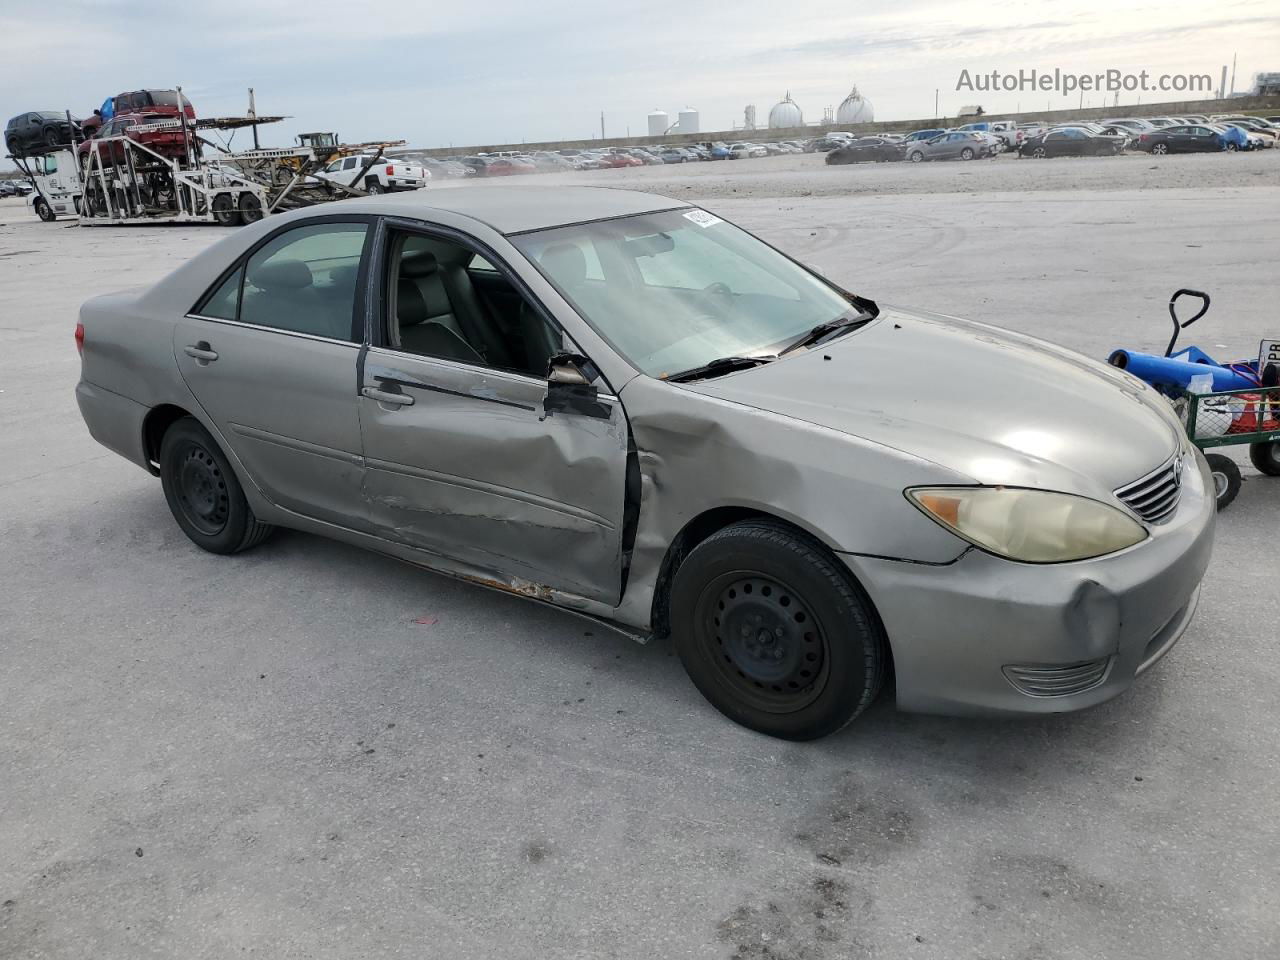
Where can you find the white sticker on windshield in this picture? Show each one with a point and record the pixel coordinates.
(702, 218)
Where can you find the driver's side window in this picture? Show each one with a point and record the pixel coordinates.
(439, 304)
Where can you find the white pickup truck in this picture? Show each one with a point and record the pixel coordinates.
(380, 175)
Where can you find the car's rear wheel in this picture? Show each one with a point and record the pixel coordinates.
(1159, 149)
(774, 633)
(1232, 147)
(1266, 457)
(203, 493)
(52, 137)
(1226, 478)
(44, 211)
(224, 210)
(250, 208)
(966, 153)
(373, 188)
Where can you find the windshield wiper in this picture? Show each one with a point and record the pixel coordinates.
(827, 330)
(716, 367)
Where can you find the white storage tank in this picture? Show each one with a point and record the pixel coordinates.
(658, 123)
(785, 113)
(855, 109)
(688, 120)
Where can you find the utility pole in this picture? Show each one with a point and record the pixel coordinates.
(1233, 74)
(601, 124)
(935, 103)
(253, 112)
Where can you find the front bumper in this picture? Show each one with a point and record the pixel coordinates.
(956, 629)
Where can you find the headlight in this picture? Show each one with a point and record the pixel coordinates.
(1034, 526)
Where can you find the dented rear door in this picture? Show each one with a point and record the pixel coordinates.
(461, 461)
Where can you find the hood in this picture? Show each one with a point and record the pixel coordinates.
(992, 405)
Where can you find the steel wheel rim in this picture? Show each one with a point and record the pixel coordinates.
(1220, 484)
(768, 648)
(202, 490)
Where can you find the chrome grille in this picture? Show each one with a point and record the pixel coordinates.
(1155, 496)
(1061, 680)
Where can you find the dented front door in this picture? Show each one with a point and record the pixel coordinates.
(462, 461)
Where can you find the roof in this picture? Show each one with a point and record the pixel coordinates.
(517, 209)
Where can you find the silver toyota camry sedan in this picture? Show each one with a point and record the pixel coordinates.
(627, 407)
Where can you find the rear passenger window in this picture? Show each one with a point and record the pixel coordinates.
(224, 303)
(303, 281)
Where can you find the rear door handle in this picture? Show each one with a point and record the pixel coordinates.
(200, 351)
(384, 396)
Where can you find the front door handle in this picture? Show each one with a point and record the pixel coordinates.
(384, 396)
(200, 351)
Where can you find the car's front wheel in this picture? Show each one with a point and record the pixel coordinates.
(203, 493)
(1159, 149)
(774, 633)
(916, 156)
(44, 211)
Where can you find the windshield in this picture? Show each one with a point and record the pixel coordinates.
(674, 290)
(164, 98)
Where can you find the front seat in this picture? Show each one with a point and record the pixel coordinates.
(425, 316)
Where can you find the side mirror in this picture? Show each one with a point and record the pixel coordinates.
(564, 370)
(570, 388)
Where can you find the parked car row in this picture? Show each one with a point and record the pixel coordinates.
(14, 188)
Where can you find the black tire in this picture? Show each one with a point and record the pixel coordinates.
(250, 208)
(52, 137)
(1266, 457)
(44, 211)
(11, 144)
(374, 188)
(966, 153)
(1226, 478)
(1159, 149)
(224, 210)
(774, 633)
(916, 156)
(1039, 153)
(203, 493)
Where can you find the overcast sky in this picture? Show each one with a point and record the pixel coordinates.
(457, 72)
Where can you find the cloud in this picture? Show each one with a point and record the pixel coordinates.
(509, 70)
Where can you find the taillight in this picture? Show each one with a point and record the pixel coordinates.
(1142, 136)
(390, 170)
(80, 338)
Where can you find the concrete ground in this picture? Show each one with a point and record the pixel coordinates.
(312, 751)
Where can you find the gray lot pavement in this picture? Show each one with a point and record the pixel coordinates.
(270, 755)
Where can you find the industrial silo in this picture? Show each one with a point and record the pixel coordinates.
(688, 122)
(658, 123)
(785, 113)
(855, 109)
